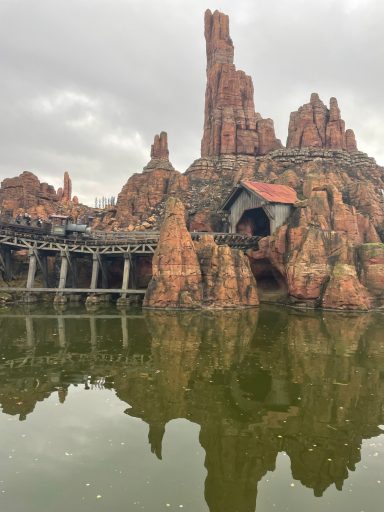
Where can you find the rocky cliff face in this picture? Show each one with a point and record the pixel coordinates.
(323, 254)
(176, 274)
(231, 125)
(140, 204)
(316, 126)
(25, 193)
(189, 276)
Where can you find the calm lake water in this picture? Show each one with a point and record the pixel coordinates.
(267, 410)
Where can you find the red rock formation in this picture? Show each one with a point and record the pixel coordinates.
(317, 252)
(67, 189)
(231, 124)
(371, 258)
(140, 203)
(176, 275)
(25, 191)
(227, 277)
(159, 154)
(316, 126)
(185, 276)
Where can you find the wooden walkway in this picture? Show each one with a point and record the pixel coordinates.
(119, 243)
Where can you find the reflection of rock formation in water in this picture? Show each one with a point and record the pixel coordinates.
(257, 383)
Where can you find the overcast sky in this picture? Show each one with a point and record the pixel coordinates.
(86, 84)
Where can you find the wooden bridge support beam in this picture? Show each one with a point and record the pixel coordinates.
(31, 269)
(63, 271)
(126, 272)
(95, 271)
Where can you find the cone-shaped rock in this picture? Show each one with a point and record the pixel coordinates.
(176, 276)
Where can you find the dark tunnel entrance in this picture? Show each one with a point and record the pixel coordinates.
(254, 222)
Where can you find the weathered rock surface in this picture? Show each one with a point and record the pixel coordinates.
(231, 125)
(25, 193)
(316, 126)
(185, 276)
(160, 154)
(226, 274)
(318, 253)
(176, 274)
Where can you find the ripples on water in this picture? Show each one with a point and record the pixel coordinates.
(266, 409)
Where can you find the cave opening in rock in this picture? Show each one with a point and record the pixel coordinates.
(270, 282)
(254, 222)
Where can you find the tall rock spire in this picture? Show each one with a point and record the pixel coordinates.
(231, 125)
(159, 154)
(314, 125)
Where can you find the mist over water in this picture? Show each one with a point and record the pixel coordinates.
(261, 409)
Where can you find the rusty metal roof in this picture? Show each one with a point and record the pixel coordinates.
(272, 193)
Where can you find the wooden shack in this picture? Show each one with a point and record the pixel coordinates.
(258, 209)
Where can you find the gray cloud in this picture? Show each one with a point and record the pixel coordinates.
(85, 84)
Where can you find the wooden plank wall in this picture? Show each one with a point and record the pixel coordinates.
(277, 213)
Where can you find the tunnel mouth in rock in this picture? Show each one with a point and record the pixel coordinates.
(271, 284)
(254, 222)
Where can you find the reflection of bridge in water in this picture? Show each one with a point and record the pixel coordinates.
(257, 383)
(102, 257)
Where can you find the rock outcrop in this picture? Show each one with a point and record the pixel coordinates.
(25, 193)
(160, 154)
(176, 274)
(231, 125)
(316, 126)
(226, 276)
(141, 202)
(64, 194)
(318, 253)
(189, 276)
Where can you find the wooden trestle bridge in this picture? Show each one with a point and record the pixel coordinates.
(97, 249)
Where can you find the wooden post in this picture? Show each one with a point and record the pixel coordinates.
(95, 271)
(63, 271)
(126, 272)
(31, 269)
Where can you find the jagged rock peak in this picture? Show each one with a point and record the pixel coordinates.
(159, 154)
(314, 125)
(231, 124)
(220, 48)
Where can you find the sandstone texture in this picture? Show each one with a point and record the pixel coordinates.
(231, 125)
(189, 276)
(314, 125)
(176, 274)
(226, 276)
(321, 255)
(25, 193)
(159, 154)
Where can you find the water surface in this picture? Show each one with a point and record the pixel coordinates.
(267, 410)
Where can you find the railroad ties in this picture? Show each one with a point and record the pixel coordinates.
(58, 260)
